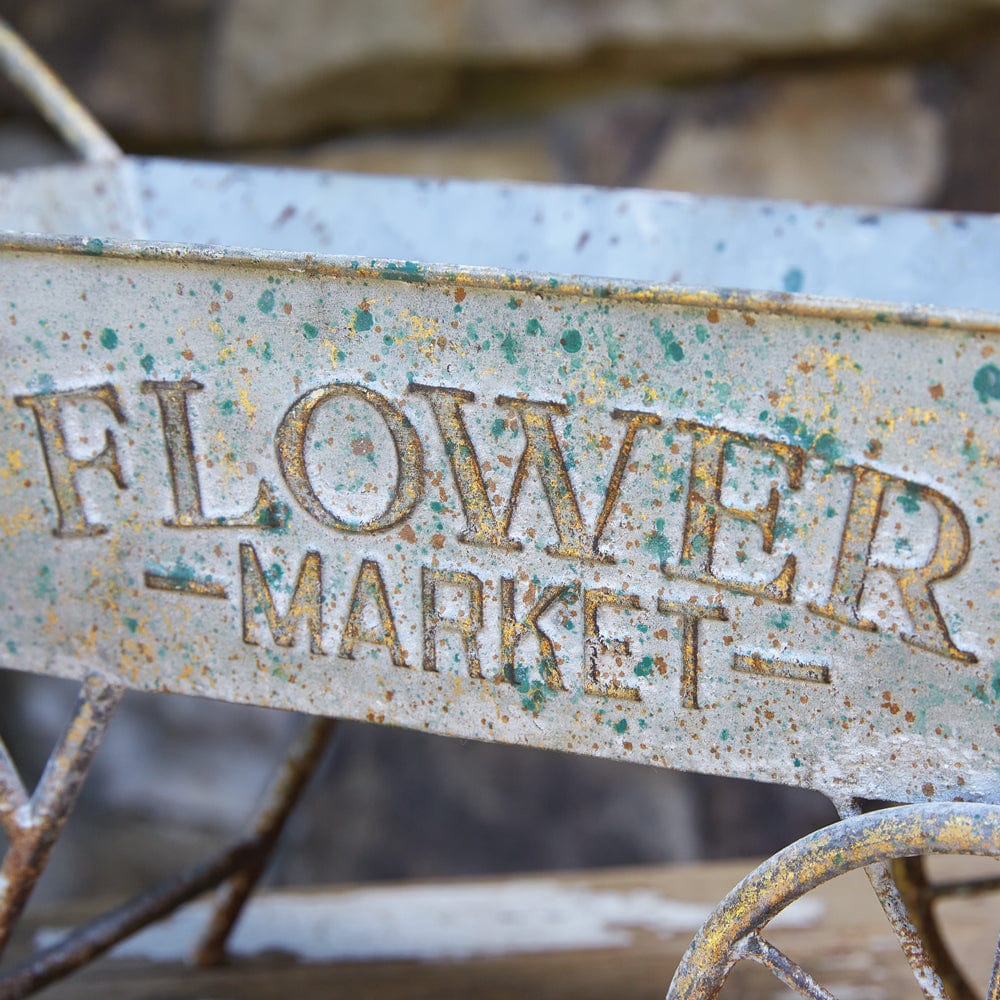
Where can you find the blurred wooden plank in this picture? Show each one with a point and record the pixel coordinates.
(845, 943)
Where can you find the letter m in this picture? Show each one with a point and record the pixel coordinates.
(305, 603)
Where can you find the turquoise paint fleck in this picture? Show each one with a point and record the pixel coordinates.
(987, 383)
(701, 333)
(658, 543)
(571, 341)
(309, 331)
(534, 693)
(909, 499)
(780, 621)
(266, 301)
(93, 248)
(510, 347)
(644, 668)
(620, 726)
(824, 444)
(672, 349)
(533, 328)
(109, 339)
(793, 280)
(147, 361)
(362, 320)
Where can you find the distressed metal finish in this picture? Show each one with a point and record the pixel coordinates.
(33, 825)
(733, 534)
(655, 237)
(723, 534)
(731, 933)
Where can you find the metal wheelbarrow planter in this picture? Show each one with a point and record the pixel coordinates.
(740, 533)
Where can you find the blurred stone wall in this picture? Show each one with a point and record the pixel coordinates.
(882, 102)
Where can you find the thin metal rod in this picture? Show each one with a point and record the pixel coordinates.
(41, 821)
(993, 990)
(13, 796)
(86, 943)
(53, 99)
(909, 937)
(918, 895)
(899, 885)
(966, 888)
(790, 973)
(280, 800)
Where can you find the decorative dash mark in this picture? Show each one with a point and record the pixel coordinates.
(184, 585)
(792, 670)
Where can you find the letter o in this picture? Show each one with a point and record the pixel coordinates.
(290, 443)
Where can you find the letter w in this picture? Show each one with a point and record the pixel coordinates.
(543, 455)
(305, 602)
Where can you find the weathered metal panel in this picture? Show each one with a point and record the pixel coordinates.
(907, 257)
(733, 536)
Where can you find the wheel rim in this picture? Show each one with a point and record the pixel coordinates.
(730, 933)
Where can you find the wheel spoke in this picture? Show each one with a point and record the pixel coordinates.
(900, 887)
(790, 973)
(910, 939)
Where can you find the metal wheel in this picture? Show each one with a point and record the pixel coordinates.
(873, 840)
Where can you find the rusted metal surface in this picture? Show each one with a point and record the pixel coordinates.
(33, 825)
(725, 534)
(280, 801)
(731, 933)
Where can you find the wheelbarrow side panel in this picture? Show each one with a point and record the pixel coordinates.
(753, 537)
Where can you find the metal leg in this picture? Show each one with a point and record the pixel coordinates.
(34, 825)
(755, 948)
(241, 865)
(92, 940)
(279, 802)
